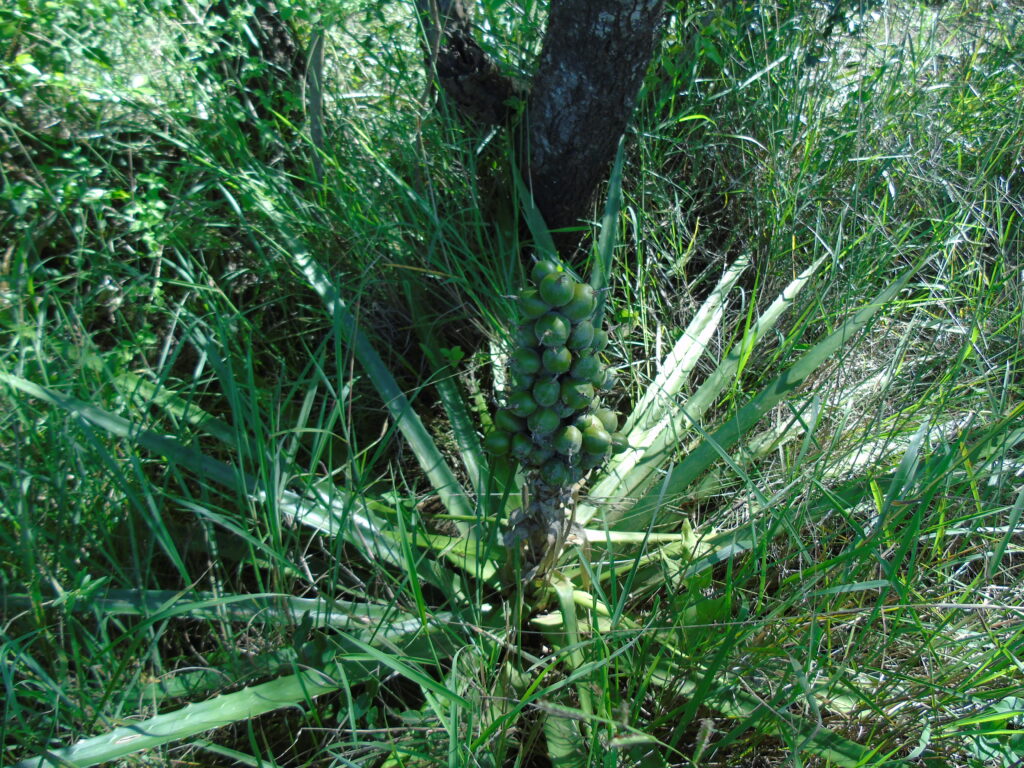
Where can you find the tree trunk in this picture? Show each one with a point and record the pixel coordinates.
(592, 65)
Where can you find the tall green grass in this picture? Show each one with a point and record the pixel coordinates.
(231, 392)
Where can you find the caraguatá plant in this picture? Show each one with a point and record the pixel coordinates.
(552, 421)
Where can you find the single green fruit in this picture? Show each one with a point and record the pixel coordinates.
(539, 455)
(531, 304)
(577, 394)
(546, 392)
(543, 422)
(582, 336)
(555, 473)
(582, 304)
(522, 404)
(556, 359)
(525, 360)
(587, 367)
(542, 269)
(585, 421)
(525, 336)
(507, 421)
(556, 289)
(596, 439)
(608, 380)
(552, 330)
(600, 340)
(619, 444)
(497, 443)
(522, 382)
(609, 419)
(521, 445)
(567, 440)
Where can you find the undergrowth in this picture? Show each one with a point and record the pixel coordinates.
(213, 481)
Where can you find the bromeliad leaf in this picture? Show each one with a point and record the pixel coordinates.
(680, 479)
(657, 428)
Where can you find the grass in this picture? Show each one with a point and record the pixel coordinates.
(232, 395)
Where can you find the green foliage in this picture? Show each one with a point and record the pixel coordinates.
(233, 392)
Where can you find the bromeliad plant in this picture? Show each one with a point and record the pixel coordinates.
(456, 633)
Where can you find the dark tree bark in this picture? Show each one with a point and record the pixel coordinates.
(592, 64)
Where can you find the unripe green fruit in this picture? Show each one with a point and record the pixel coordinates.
(542, 269)
(531, 304)
(556, 359)
(525, 360)
(552, 330)
(591, 460)
(600, 340)
(539, 455)
(596, 439)
(585, 421)
(607, 382)
(577, 394)
(619, 444)
(555, 473)
(497, 443)
(567, 440)
(523, 382)
(587, 367)
(556, 289)
(582, 304)
(525, 335)
(507, 421)
(521, 445)
(609, 419)
(582, 336)
(522, 404)
(543, 422)
(546, 392)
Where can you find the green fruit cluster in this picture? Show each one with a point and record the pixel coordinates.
(553, 422)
